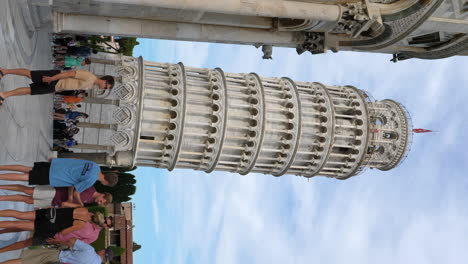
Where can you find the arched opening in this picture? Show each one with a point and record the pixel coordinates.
(390, 135)
(379, 120)
(379, 149)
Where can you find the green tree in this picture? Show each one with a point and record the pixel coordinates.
(123, 190)
(136, 246)
(98, 208)
(100, 243)
(118, 251)
(119, 169)
(126, 45)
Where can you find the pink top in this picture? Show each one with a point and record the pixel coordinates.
(88, 234)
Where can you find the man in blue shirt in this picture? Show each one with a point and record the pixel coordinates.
(79, 253)
(73, 173)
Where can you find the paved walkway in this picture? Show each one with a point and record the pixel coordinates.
(25, 122)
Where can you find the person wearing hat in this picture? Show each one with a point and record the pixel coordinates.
(57, 223)
(78, 253)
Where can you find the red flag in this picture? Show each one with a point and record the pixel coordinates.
(421, 130)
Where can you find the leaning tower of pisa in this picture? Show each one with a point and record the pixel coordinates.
(207, 119)
(173, 116)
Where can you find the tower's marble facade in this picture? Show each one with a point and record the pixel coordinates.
(427, 29)
(173, 116)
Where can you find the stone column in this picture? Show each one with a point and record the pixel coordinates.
(93, 147)
(99, 158)
(118, 26)
(94, 100)
(263, 8)
(97, 125)
(103, 61)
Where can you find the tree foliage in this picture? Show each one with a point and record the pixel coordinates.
(97, 208)
(100, 243)
(126, 45)
(125, 188)
(118, 251)
(136, 246)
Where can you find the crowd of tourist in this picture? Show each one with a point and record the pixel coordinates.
(63, 187)
(71, 51)
(59, 189)
(67, 115)
(70, 87)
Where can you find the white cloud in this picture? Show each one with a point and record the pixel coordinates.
(193, 54)
(155, 208)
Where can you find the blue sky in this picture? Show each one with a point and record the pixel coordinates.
(415, 213)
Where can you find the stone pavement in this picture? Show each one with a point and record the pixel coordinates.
(25, 122)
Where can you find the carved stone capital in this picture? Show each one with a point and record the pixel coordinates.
(314, 42)
(355, 20)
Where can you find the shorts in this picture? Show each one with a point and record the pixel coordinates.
(49, 222)
(39, 87)
(41, 255)
(43, 196)
(39, 175)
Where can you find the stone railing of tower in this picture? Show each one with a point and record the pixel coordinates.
(205, 119)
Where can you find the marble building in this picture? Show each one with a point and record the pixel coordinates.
(174, 116)
(426, 29)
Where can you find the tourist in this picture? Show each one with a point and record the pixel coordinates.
(108, 221)
(88, 232)
(74, 99)
(65, 124)
(44, 196)
(73, 173)
(44, 82)
(70, 115)
(79, 253)
(64, 143)
(66, 134)
(60, 105)
(62, 40)
(81, 51)
(64, 131)
(45, 223)
(69, 99)
(81, 93)
(72, 62)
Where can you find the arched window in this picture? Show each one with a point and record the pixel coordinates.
(390, 135)
(379, 149)
(380, 120)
